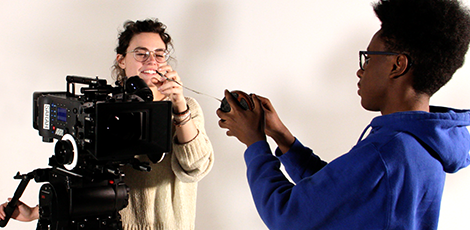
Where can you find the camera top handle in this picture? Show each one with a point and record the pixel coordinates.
(98, 89)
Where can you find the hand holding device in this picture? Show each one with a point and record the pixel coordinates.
(243, 99)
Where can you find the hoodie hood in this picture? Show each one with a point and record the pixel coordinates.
(444, 131)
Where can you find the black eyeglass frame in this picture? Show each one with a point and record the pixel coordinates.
(364, 53)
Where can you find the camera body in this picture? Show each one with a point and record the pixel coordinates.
(97, 132)
(107, 124)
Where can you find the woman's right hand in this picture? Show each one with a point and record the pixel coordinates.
(22, 212)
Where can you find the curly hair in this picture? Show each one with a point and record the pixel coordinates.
(435, 34)
(132, 28)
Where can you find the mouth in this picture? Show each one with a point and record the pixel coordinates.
(150, 71)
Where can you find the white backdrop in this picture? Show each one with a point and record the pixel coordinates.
(302, 54)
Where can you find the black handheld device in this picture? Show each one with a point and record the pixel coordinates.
(243, 99)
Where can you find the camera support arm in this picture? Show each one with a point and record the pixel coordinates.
(25, 178)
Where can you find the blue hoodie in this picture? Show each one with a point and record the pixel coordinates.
(392, 179)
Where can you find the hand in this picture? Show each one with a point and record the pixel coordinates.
(22, 212)
(246, 125)
(275, 128)
(171, 88)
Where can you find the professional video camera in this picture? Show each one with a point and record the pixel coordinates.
(97, 133)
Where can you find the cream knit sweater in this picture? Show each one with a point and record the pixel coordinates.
(165, 197)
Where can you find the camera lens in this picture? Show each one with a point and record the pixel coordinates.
(124, 127)
(135, 85)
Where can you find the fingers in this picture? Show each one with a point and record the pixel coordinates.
(256, 102)
(232, 101)
(224, 116)
(165, 68)
(229, 133)
(169, 87)
(266, 103)
(235, 106)
(168, 77)
(169, 84)
(2, 210)
(166, 72)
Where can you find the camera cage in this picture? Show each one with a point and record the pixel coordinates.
(97, 133)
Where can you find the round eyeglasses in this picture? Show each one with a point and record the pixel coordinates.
(143, 54)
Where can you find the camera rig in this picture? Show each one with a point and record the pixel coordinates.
(97, 132)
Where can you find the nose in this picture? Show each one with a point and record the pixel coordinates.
(152, 58)
(359, 73)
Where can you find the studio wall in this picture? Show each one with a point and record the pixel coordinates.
(302, 54)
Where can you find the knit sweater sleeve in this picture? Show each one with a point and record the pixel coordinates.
(193, 160)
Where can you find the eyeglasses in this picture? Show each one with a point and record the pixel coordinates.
(142, 55)
(364, 56)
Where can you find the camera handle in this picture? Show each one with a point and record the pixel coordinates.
(25, 178)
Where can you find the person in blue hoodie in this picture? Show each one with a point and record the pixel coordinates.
(393, 178)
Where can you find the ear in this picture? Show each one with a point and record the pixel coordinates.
(400, 66)
(121, 61)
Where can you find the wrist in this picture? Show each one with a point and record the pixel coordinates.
(182, 117)
(179, 110)
(180, 107)
(255, 137)
(283, 137)
(179, 103)
(35, 213)
(284, 141)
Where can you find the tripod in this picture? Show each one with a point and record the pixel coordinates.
(74, 201)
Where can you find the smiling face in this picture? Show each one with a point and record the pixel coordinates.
(375, 78)
(147, 69)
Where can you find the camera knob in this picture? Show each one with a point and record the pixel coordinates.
(64, 152)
